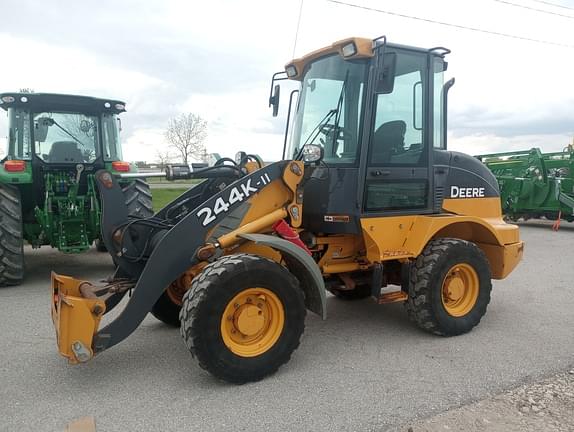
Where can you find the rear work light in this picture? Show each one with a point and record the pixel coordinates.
(14, 165)
(121, 166)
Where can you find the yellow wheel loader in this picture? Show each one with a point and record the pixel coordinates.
(367, 202)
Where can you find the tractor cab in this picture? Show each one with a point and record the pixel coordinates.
(55, 145)
(62, 129)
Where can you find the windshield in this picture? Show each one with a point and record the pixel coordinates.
(329, 109)
(61, 137)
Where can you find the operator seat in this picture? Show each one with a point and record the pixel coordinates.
(388, 140)
(65, 151)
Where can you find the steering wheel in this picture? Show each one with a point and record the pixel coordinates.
(331, 142)
(342, 133)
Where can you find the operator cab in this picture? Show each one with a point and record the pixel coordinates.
(377, 111)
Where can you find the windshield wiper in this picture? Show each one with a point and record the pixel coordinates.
(68, 132)
(338, 110)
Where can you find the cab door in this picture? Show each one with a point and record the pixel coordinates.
(396, 164)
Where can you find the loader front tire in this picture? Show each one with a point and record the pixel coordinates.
(11, 236)
(243, 317)
(138, 198)
(449, 287)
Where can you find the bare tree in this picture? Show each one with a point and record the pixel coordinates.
(186, 134)
(163, 157)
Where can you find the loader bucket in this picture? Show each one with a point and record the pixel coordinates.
(76, 319)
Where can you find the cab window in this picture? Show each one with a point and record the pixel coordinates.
(19, 134)
(398, 128)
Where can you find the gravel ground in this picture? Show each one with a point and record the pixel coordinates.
(366, 368)
(546, 405)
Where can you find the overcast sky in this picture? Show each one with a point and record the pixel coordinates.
(216, 59)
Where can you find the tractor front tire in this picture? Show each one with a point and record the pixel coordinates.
(100, 246)
(11, 236)
(449, 287)
(138, 198)
(243, 317)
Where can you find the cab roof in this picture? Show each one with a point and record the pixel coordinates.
(60, 102)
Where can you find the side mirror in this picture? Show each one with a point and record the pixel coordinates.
(385, 81)
(274, 100)
(312, 153)
(41, 126)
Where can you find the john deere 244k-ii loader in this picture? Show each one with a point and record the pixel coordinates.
(366, 199)
(48, 193)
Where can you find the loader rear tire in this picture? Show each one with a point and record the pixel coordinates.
(138, 198)
(11, 236)
(360, 292)
(243, 317)
(166, 310)
(449, 287)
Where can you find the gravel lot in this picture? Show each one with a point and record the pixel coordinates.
(365, 368)
(547, 405)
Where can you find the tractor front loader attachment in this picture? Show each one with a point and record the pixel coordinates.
(192, 231)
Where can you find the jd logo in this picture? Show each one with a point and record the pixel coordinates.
(466, 192)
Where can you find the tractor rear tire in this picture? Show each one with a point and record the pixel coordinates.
(138, 198)
(243, 317)
(449, 288)
(11, 236)
(166, 310)
(360, 292)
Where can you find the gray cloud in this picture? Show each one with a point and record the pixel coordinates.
(474, 119)
(129, 35)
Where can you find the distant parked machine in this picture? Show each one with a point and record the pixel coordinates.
(48, 194)
(535, 184)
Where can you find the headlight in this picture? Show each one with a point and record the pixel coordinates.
(291, 71)
(312, 153)
(349, 50)
(239, 157)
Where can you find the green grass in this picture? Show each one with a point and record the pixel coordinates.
(164, 180)
(163, 196)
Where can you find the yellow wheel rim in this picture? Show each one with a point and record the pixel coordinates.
(460, 290)
(252, 322)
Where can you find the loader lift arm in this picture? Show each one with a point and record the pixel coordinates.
(174, 243)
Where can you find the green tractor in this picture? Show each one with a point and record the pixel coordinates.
(48, 195)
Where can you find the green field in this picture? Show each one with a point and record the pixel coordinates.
(163, 196)
(164, 180)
